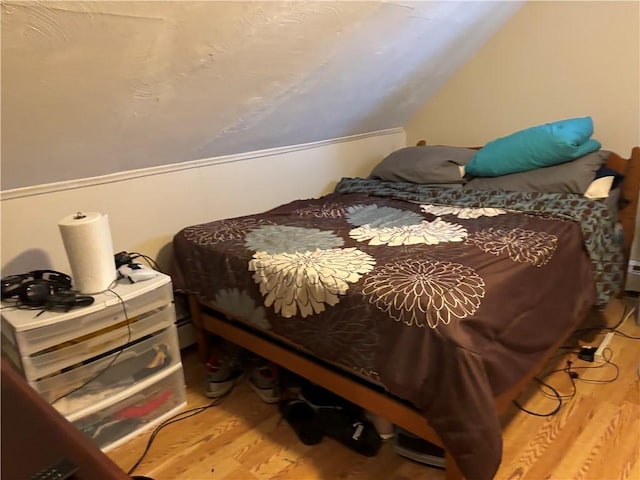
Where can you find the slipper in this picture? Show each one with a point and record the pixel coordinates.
(302, 419)
(352, 431)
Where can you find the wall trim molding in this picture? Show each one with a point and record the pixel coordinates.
(43, 189)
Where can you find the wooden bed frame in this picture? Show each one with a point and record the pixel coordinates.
(205, 319)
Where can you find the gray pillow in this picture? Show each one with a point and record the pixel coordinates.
(429, 164)
(570, 177)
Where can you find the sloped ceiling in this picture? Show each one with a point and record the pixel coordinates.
(91, 88)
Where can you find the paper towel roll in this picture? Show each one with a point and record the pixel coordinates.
(87, 241)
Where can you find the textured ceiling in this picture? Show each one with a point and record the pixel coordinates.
(91, 88)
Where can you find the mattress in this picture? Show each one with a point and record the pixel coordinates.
(444, 297)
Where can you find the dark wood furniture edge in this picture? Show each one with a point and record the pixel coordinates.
(35, 435)
(630, 188)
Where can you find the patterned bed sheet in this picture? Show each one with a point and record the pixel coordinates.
(445, 297)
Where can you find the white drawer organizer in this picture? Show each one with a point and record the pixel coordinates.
(113, 375)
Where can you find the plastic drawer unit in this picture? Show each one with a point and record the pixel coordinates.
(33, 331)
(79, 349)
(119, 417)
(112, 368)
(111, 373)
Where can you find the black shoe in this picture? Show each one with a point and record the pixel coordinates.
(356, 433)
(302, 419)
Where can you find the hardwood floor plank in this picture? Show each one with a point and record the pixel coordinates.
(571, 456)
(553, 434)
(595, 436)
(614, 448)
(634, 470)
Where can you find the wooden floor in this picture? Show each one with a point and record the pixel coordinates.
(595, 435)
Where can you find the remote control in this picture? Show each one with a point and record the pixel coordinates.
(61, 470)
(136, 272)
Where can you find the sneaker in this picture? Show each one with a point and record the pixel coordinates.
(263, 378)
(222, 376)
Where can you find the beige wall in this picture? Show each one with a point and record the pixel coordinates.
(91, 88)
(552, 60)
(148, 207)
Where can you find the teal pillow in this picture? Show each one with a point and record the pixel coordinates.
(535, 147)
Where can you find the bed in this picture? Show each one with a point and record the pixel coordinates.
(430, 304)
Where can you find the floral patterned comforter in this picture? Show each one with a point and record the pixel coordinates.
(444, 302)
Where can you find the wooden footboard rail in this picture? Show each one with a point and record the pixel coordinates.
(368, 398)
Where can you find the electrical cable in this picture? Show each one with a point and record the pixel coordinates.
(552, 412)
(607, 361)
(18, 305)
(572, 378)
(625, 335)
(152, 263)
(174, 419)
(14, 306)
(625, 315)
(605, 330)
(122, 348)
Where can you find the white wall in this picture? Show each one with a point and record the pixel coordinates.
(551, 60)
(96, 87)
(147, 207)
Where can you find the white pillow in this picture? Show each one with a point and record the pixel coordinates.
(599, 188)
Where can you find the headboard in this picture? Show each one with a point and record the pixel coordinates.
(630, 168)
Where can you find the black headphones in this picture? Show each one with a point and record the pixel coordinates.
(42, 288)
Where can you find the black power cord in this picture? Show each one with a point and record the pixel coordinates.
(113, 360)
(568, 369)
(585, 353)
(174, 419)
(607, 355)
(127, 258)
(574, 377)
(556, 395)
(625, 315)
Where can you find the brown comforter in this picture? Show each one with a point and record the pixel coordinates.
(444, 306)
